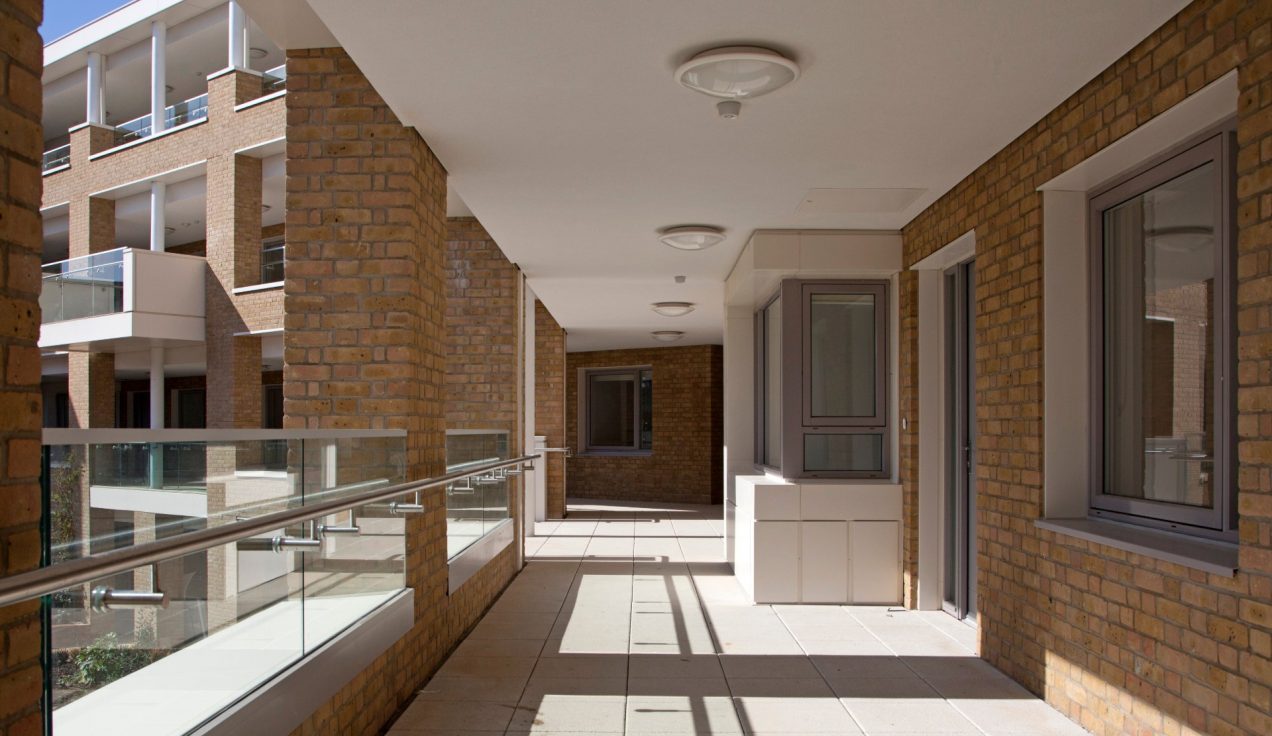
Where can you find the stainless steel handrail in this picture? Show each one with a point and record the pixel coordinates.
(30, 585)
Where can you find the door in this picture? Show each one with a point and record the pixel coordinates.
(959, 524)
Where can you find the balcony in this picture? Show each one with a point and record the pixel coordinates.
(105, 299)
(56, 158)
(195, 108)
(274, 80)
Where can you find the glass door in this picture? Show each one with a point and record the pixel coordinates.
(959, 523)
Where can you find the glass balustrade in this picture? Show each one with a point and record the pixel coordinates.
(56, 157)
(478, 505)
(83, 287)
(195, 108)
(274, 79)
(182, 640)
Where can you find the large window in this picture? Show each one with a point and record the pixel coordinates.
(821, 387)
(1162, 346)
(618, 410)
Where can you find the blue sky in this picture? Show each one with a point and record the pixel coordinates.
(63, 16)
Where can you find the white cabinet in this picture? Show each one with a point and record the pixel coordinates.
(816, 542)
(823, 561)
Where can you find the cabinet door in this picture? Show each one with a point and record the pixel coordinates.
(824, 561)
(776, 561)
(874, 551)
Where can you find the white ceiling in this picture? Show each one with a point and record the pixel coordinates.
(562, 128)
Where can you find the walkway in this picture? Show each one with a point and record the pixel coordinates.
(626, 620)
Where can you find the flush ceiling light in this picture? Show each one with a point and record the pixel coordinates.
(735, 73)
(667, 335)
(692, 237)
(672, 309)
(257, 53)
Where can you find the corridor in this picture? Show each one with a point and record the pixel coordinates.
(627, 620)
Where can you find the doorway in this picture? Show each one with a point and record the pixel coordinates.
(959, 516)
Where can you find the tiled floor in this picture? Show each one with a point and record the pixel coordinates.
(626, 620)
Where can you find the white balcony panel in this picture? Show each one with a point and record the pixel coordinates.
(150, 500)
(162, 303)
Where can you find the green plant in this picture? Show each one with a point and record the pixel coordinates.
(64, 491)
(104, 661)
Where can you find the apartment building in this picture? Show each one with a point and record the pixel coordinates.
(966, 310)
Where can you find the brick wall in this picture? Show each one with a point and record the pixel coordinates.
(365, 339)
(686, 463)
(549, 403)
(21, 144)
(1120, 642)
(483, 364)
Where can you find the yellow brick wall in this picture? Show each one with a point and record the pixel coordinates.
(21, 62)
(1119, 642)
(549, 403)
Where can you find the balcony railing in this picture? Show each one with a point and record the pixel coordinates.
(274, 79)
(195, 108)
(143, 596)
(88, 286)
(56, 157)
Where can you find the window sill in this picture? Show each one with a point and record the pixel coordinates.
(258, 287)
(1210, 556)
(615, 453)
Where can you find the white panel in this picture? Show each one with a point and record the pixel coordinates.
(849, 501)
(931, 430)
(864, 253)
(149, 500)
(875, 561)
(823, 565)
(168, 283)
(776, 561)
(776, 502)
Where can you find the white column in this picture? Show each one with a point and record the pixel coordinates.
(158, 75)
(158, 225)
(238, 37)
(156, 388)
(96, 102)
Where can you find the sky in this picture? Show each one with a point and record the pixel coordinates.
(63, 16)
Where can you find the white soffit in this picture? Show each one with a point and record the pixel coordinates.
(562, 125)
(857, 201)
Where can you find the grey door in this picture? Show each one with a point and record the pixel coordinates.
(959, 589)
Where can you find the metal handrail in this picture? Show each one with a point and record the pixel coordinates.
(31, 585)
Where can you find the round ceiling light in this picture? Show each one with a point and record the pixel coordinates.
(692, 237)
(737, 72)
(257, 52)
(672, 309)
(667, 335)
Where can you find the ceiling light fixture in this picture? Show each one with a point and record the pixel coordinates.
(736, 73)
(672, 309)
(692, 237)
(667, 335)
(257, 53)
(266, 208)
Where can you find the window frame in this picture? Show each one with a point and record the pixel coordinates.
(1216, 145)
(795, 392)
(279, 243)
(763, 382)
(585, 415)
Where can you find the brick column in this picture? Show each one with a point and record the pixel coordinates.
(363, 302)
(549, 402)
(20, 401)
(87, 139)
(231, 87)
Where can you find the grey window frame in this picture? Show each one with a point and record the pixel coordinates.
(585, 397)
(797, 423)
(762, 382)
(279, 243)
(1215, 145)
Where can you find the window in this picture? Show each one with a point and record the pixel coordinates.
(821, 349)
(618, 410)
(1162, 263)
(272, 260)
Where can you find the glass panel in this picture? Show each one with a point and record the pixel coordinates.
(842, 345)
(773, 385)
(610, 403)
(1159, 312)
(475, 506)
(857, 452)
(255, 603)
(647, 410)
(272, 261)
(83, 287)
